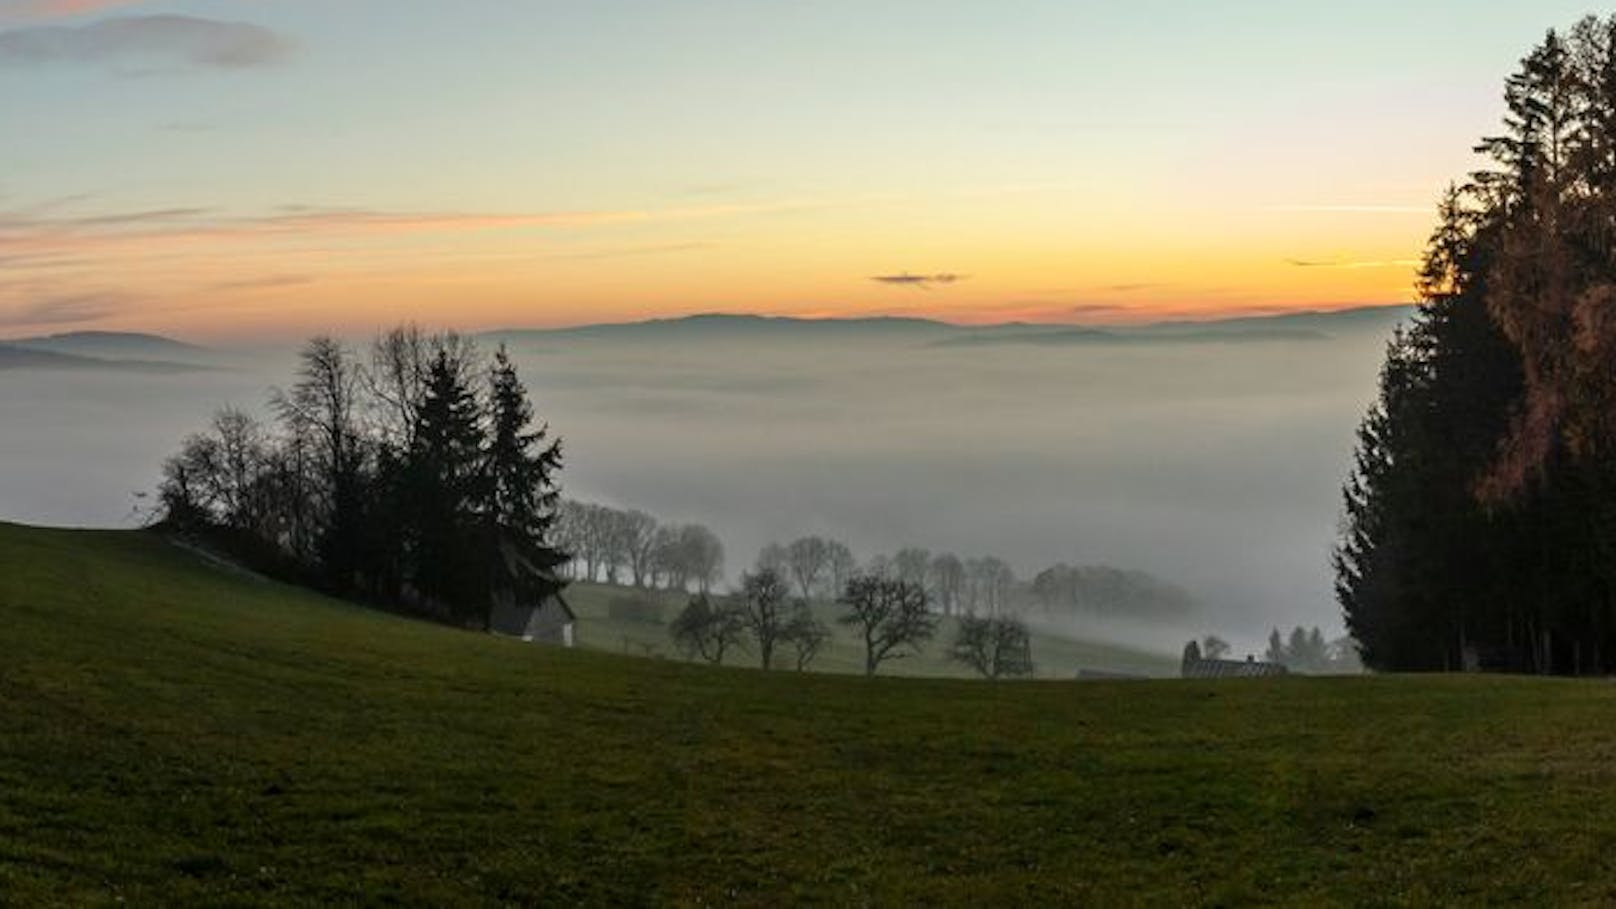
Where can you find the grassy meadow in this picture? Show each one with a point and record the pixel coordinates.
(172, 732)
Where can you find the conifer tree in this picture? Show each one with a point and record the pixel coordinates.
(523, 500)
(447, 485)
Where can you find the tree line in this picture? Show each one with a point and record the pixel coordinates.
(628, 546)
(1479, 522)
(819, 568)
(417, 476)
(892, 618)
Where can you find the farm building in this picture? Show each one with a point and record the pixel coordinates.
(546, 621)
(527, 601)
(1249, 668)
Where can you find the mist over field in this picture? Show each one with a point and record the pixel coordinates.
(1213, 462)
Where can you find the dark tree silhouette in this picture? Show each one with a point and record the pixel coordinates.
(891, 616)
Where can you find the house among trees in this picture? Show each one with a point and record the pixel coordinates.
(526, 601)
(1197, 667)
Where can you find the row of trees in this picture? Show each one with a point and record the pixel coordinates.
(416, 476)
(1480, 518)
(1306, 650)
(893, 618)
(617, 546)
(819, 569)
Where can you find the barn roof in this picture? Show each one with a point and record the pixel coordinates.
(1231, 669)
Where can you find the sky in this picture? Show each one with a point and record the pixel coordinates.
(265, 169)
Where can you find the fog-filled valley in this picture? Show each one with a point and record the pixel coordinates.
(1209, 456)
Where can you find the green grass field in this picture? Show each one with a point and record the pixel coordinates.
(173, 733)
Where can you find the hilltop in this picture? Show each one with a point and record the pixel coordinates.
(103, 351)
(1298, 326)
(180, 733)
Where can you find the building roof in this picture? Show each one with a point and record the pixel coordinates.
(1231, 669)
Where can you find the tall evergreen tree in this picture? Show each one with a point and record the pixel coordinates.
(522, 499)
(447, 486)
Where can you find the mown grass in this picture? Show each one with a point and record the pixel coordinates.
(172, 733)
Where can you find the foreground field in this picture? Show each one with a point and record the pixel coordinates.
(173, 733)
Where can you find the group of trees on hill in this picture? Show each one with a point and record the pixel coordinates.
(416, 476)
(819, 569)
(892, 618)
(627, 546)
(1480, 519)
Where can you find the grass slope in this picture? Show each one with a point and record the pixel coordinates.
(174, 733)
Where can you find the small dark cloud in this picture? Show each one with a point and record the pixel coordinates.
(1309, 263)
(1096, 309)
(920, 282)
(1132, 288)
(168, 40)
(64, 310)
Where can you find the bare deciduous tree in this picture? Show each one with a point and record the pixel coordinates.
(762, 605)
(891, 616)
(707, 630)
(994, 647)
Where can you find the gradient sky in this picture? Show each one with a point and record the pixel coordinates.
(225, 169)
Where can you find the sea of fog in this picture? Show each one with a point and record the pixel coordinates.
(1214, 465)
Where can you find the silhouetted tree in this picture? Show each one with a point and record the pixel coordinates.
(994, 647)
(761, 603)
(891, 616)
(707, 629)
(806, 634)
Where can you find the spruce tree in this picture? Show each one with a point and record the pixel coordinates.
(522, 498)
(447, 487)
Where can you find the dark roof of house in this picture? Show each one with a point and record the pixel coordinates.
(1231, 669)
(517, 618)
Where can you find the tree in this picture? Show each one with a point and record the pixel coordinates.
(947, 582)
(806, 634)
(762, 606)
(1214, 647)
(447, 484)
(913, 565)
(841, 566)
(1276, 648)
(808, 560)
(892, 618)
(994, 647)
(706, 629)
(774, 557)
(322, 411)
(519, 486)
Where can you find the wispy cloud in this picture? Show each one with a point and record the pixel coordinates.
(1353, 264)
(920, 282)
(171, 40)
(67, 309)
(39, 229)
(266, 282)
(1097, 309)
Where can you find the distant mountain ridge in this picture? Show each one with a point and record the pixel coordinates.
(16, 356)
(105, 351)
(1311, 325)
(114, 345)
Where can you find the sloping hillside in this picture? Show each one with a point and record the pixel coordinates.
(171, 732)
